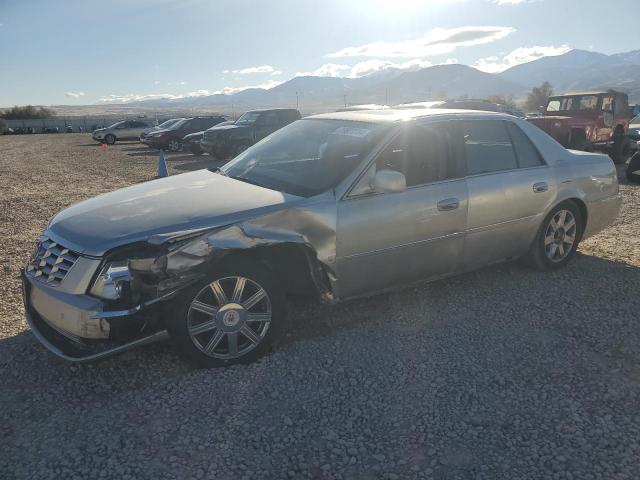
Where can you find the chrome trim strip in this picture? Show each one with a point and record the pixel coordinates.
(501, 224)
(404, 245)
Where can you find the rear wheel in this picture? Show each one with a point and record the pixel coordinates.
(229, 318)
(621, 149)
(633, 169)
(173, 145)
(578, 140)
(238, 149)
(557, 239)
(196, 150)
(110, 139)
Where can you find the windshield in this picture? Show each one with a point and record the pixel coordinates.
(116, 124)
(635, 120)
(179, 124)
(306, 157)
(169, 123)
(247, 118)
(573, 103)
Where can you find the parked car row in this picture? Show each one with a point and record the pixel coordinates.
(34, 130)
(215, 135)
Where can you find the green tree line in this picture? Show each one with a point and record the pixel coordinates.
(27, 112)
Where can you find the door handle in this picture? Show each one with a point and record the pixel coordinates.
(540, 187)
(448, 204)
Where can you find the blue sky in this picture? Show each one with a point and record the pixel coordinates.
(83, 52)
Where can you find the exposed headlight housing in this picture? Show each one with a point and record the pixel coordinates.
(112, 280)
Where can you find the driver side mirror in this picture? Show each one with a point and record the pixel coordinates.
(388, 181)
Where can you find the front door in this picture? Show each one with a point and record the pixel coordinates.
(385, 239)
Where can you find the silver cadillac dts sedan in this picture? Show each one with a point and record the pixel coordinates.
(336, 205)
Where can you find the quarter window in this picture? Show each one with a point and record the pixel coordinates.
(487, 147)
(421, 153)
(527, 154)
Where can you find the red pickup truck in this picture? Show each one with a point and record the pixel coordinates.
(589, 121)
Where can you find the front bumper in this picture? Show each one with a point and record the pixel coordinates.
(155, 142)
(77, 327)
(212, 148)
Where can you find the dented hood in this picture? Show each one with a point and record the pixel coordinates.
(194, 200)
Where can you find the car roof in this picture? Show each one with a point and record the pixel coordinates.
(261, 110)
(397, 115)
(591, 92)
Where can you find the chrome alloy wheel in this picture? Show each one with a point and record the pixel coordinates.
(560, 236)
(173, 145)
(229, 317)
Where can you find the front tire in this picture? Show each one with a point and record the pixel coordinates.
(557, 239)
(633, 169)
(620, 150)
(173, 145)
(196, 150)
(230, 317)
(110, 139)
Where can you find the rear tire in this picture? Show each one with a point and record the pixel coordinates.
(196, 150)
(578, 140)
(110, 139)
(173, 145)
(557, 239)
(208, 322)
(633, 169)
(620, 150)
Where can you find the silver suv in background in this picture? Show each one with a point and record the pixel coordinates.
(124, 130)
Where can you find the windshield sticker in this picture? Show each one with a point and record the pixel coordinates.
(351, 132)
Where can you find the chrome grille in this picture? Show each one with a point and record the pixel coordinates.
(51, 262)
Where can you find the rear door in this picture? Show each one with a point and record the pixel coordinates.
(385, 239)
(509, 188)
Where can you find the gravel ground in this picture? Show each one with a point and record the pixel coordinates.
(505, 373)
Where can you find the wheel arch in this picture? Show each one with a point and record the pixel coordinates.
(294, 265)
(578, 200)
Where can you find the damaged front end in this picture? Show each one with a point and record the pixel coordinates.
(104, 306)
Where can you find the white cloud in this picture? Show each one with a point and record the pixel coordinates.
(368, 67)
(265, 86)
(372, 66)
(326, 70)
(74, 94)
(252, 70)
(437, 42)
(509, 2)
(520, 55)
(134, 97)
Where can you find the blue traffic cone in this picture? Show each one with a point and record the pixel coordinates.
(162, 166)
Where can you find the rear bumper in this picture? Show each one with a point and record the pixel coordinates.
(75, 327)
(601, 213)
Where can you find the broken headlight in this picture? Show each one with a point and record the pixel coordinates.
(112, 281)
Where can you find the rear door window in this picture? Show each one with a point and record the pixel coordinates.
(487, 147)
(526, 153)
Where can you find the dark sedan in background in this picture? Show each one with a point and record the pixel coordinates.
(172, 138)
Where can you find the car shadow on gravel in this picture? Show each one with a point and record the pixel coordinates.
(619, 281)
(487, 296)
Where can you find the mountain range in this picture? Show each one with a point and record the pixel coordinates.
(574, 70)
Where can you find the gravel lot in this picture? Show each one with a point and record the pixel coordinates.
(505, 373)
